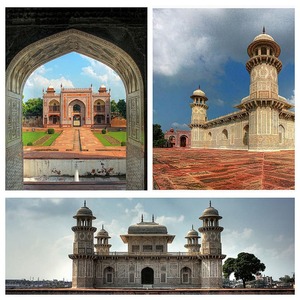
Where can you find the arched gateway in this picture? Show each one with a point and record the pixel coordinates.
(50, 47)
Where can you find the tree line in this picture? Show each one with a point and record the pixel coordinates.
(34, 107)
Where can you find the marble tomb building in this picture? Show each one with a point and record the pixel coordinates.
(147, 262)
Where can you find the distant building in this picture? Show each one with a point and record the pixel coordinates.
(76, 107)
(178, 138)
(147, 263)
(264, 121)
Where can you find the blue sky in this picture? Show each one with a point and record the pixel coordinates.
(208, 47)
(39, 236)
(73, 70)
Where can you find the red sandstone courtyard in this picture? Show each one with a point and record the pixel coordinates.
(209, 169)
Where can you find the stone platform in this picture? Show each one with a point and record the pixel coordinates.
(209, 169)
(157, 291)
(71, 146)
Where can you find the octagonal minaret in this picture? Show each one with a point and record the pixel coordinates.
(264, 67)
(211, 248)
(83, 249)
(264, 103)
(199, 117)
(192, 244)
(102, 245)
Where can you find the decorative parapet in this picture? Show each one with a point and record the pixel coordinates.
(69, 90)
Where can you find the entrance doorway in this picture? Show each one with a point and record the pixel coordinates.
(76, 121)
(183, 141)
(147, 276)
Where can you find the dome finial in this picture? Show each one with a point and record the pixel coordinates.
(264, 29)
(209, 203)
(153, 218)
(199, 87)
(142, 218)
(192, 226)
(102, 226)
(84, 203)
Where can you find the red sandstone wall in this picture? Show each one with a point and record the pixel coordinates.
(118, 122)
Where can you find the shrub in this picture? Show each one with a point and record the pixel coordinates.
(50, 130)
(123, 143)
(103, 131)
(29, 144)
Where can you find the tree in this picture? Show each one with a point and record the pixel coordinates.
(158, 136)
(287, 279)
(33, 107)
(243, 267)
(121, 105)
(113, 106)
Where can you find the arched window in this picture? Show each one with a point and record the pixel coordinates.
(76, 108)
(108, 275)
(225, 134)
(246, 135)
(185, 275)
(209, 136)
(281, 131)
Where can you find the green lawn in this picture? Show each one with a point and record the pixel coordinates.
(117, 136)
(31, 137)
(28, 137)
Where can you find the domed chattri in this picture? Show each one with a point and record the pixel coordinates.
(263, 36)
(84, 211)
(192, 233)
(199, 92)
(102, 232)
(210, 212)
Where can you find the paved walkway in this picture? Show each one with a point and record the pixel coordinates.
(208, 169)
(75, 143)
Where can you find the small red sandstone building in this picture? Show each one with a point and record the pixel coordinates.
(178, 138)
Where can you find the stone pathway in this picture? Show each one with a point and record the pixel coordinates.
(203, 169)
(68, 146)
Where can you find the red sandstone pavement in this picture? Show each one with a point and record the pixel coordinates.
(209, 169)
(65, 147)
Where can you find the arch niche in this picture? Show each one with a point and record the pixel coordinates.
(54, 46)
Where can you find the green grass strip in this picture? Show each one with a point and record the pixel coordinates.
(120, 136)
(52, 138)
(100, 137)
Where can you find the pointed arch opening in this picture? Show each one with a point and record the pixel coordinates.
(147, 276)
(49, 48)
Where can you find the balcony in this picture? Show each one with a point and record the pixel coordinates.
(99, 109)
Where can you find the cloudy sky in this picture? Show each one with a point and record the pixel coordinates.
(39, 236)
(208, 47)
(73, 70)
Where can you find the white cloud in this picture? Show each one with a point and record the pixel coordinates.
(292, 98)
(166, 220)
(38, 81)
(180, 126)
(192, 43)
(102, 73)
(219, 102)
